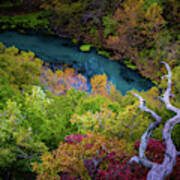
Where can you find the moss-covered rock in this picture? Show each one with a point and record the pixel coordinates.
(104, 53)
(85, 47)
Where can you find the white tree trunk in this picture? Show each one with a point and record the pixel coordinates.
(163, 170)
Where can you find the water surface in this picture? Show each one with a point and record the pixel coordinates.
(57, 50)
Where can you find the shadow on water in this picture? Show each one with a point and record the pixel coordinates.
(58, 50)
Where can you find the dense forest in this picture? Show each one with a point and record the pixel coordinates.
(52, 128)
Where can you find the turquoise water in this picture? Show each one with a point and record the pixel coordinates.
(56, 50)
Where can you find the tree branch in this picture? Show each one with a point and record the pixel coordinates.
(23, 155)
(143, 107)
(100, 122)
(166, 96)
(163, 170)
(145, 137)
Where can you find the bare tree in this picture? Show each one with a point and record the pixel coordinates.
(163, 170)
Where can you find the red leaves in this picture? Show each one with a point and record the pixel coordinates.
(155, 152)
(84, 156)
(118, 168)
(74, 138)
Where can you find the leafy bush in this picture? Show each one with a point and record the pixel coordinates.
(110, 25)
(113, 120)
(94, 156)
(36, 21)
(18, 143)
(72, 158)
(155, 152)
(27, 71)
(49, 117)
(60, 81)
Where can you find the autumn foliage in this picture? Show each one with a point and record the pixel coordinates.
(60, 81)
(82, 156)
(101, 85)
(50, 126)
(155, 153)
(135, 26)
(94, 156)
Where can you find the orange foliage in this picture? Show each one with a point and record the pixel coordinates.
(60, 81)
(100, 85)
(136, 26)
(70, 157)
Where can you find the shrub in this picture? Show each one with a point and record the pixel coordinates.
(81, 159)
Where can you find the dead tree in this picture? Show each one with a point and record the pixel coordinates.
(163, 170)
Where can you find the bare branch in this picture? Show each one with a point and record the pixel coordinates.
(145, 137)
(163, 170)
(143, 107)
(23, 155)
(144, 162)
(101, 124)
(166, 97)
(163, 77)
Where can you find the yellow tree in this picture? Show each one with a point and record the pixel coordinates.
(100, 85)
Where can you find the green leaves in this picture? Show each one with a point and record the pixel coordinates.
(113, 119)
(16, 140)
(33, 120)
(110, 25)
(37, 20)
(27, 71)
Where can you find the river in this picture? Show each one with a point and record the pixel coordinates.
(58, 50)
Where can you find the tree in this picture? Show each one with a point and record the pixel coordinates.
(18, 144)
(100, 85)
(31, 3)
(82, 157)
(163, 170)
(60, 81)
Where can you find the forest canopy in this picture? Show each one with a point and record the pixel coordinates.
(52, 128)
